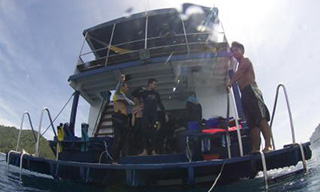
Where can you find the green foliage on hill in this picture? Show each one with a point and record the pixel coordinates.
(8, 141)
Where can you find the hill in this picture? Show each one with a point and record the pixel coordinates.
(315, 138)
(8, 141)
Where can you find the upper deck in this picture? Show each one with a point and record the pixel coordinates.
(164, 44)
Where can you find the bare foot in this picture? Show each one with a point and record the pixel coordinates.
(255, 151)
(267, 149)
(144, 153)
(154, 153)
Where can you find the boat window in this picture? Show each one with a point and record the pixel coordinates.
(99, 40)
(130, 31)
(156, 22)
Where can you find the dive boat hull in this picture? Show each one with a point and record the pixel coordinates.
(176, 169)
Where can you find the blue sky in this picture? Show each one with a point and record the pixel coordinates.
(40, 42)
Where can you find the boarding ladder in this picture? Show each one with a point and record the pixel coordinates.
(264, 166)
(37, 139)
(292, 133)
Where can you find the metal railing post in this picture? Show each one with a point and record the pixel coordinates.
(8, 157)
(146, 32)
(85, 37)
(38, 137)
(236, 121)
(109, 46)
(265, 171)
(303, 158)
(289, 112)
(21, 126)
(39, 129)
(19, 135)
(21, 161)
(185, 35)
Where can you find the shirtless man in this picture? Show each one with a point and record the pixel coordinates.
(119, 118)
(256, 112)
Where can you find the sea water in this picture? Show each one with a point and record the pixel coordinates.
(10, 181)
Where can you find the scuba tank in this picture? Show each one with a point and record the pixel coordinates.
(60, 137)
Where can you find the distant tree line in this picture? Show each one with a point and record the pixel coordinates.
(8, 141)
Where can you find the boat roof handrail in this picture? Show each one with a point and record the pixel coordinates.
(141, 40)
(87, 65)
(178, 48)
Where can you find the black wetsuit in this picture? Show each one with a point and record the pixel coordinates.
(136, 134)
(120, 125)
(151, 100)
(121, 129)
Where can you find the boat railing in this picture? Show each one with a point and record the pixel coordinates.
(138, 49)
(37, 139)
(236, 116)
(197, 37)
(289, 113)
(265, 171)
(291, 124)
(26, 113)
(39, 130)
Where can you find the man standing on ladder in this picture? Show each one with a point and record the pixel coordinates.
(255, 110)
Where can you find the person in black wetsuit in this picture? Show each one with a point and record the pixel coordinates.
(136, 123)
(150, 124)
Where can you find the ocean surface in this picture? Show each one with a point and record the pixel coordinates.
(10, 181)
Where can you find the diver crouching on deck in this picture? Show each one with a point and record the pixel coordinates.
(120, 119)
(255, 110)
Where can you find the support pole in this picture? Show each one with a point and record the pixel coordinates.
(74, 111)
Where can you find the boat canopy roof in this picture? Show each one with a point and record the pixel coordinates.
(135, 27)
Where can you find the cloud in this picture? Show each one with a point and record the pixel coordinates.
(6, 113)
(30, 77)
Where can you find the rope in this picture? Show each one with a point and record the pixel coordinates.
(58, 114)
(106, 146)
(106, 151)
(216, 180)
